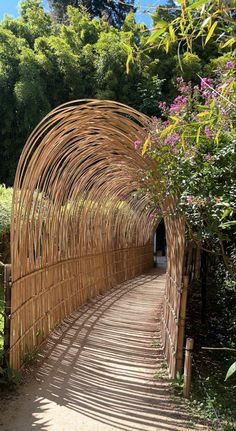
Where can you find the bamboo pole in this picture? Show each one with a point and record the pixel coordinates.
(188, 367)
(182, 318)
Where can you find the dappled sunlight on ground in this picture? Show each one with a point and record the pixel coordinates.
(97, 369)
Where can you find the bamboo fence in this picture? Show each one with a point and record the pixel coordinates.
(81, 222)
(174, 302)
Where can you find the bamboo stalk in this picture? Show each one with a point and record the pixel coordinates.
(182, 319)
(188, 367)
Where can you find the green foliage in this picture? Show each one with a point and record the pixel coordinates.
(30, 357)
(109, 10)
(161, 373)
(177, 384)
(5, 209)
(197, 21)
(231, 371)
(195, 161)
(43, 64)
(9, 378)
(156, 344)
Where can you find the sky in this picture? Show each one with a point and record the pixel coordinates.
(10, 7)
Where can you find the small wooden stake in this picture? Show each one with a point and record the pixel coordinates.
(188, 367)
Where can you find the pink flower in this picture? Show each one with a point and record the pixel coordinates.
(205, 83)
(137, 144)
(182, 86)
(189, 200)
(178, 103)
(162, 106)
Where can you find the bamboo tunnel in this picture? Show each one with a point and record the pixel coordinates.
(82, 221)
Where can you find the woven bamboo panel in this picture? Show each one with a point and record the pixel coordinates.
(175, 238)
(80, 220)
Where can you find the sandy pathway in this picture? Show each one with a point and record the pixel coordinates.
(97, 370)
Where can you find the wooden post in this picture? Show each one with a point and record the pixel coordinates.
(7, 296)
(182, 317)
(188, 367)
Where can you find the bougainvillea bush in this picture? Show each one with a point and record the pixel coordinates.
(193, 145)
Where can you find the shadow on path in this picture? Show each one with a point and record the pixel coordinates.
(97, 369)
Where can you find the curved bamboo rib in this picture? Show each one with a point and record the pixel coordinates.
(80, 221)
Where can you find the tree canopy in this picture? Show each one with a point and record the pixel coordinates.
(44, 63)
(112, 11)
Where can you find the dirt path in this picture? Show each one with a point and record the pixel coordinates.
(97, 370)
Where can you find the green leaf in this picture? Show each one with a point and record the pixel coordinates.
(231, 370)
(229, 42)
(197, 4)
(129, 59)
(172, 33)
(203, 114)
(145, 145)
(226, 212)
(211, 31)
(161, 24)
(155, 35)
(206, 21)
(198, 134)
(228, 224)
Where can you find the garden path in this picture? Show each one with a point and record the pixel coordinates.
(95, 372)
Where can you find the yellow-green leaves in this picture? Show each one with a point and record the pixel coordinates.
(231, 371)
(160, 28)
(211, 32)
(230, 42)
(172, 33)
(198, 134)
(130, 57)
(146, 144)
(197, 4)
(203, 114)
(170, 128)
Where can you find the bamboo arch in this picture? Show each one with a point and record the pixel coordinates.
(81, 222)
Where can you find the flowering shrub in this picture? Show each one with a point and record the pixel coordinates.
(193, 145)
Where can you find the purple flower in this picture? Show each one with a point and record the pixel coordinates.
(230, 65)
(178, 103)
(136, 144)
(209, 132)
(205, 83)
(172, 139)
(165, 123)
(189, 200)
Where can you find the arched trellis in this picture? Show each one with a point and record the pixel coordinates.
(81, 222)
